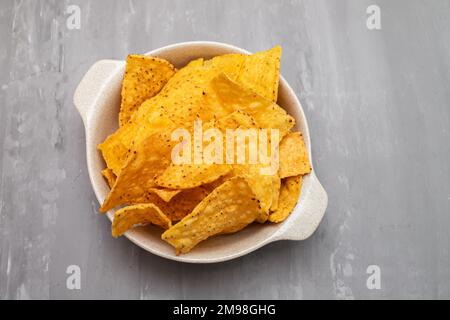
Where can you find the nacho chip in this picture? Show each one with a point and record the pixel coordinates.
(116, 147)
(139, 214)
(261, 186)
(289, 195)
(229, 208)
(146, 161)
(264, 66)
(293, 156)
(183, 203)
(109, 176)
(232, 96)
(165, 194)
(144, 77)
(115, 150)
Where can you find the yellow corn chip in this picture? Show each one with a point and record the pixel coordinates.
(293, 156)
(109, 176)
(145, 162)
(165, 194)
(289, 195)
(261, 186)
(183, 203)
(264, 66)
(116, 147)
(115, 150)
(232, 96)
(229, 208)
(144, 77)
(139, 214)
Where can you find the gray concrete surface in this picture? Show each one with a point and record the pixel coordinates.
(378, 105)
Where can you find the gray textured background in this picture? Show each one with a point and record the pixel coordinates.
(378, 105)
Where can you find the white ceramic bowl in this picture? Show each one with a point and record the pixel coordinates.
(97, 98)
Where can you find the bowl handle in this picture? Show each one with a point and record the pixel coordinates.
(302, 224)
(90, 87)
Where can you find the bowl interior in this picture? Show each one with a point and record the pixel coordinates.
(104, 120)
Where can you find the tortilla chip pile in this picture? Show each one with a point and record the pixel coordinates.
(196, 201)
